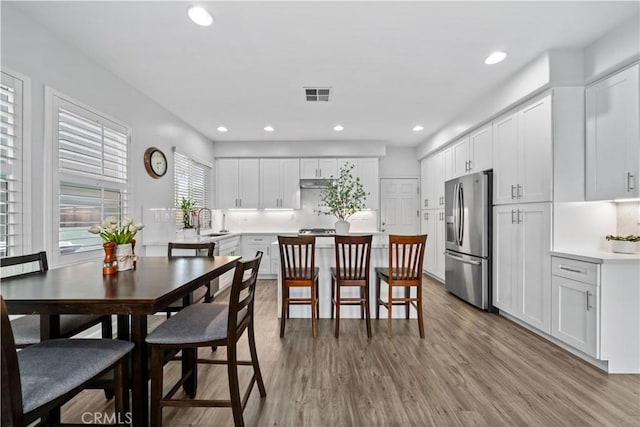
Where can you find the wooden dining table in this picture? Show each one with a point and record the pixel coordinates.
(155, 283)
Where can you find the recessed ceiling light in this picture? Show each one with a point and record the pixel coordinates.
(495, 57)
(338, 128)
(269, 128)
(200, 16)
(222, 129)
(418, 128)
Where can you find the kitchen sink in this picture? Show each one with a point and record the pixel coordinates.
(215, 234)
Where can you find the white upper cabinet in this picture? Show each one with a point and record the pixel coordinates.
(447, 159)
(279, 183)
(473, 153)
(613, 137)
(237, 183)
(522, 154)
(367, 170)
(318, 168)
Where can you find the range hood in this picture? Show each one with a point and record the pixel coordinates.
(314, 183)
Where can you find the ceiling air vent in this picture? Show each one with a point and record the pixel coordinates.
(317, 94)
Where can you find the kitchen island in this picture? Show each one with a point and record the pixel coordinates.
(326, 258)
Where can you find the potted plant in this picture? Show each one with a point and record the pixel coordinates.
(624, 244)
(187, 206)
(118, 238)
(343, 197)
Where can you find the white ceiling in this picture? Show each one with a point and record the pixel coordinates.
(391, 65)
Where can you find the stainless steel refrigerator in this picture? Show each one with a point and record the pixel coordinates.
(467, 204)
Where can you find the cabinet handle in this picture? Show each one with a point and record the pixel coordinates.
(426, 203)
(513, 187)
(236, 203)
(630, 182)
(572, 270)
(589, 306)
(470, 167)
(518, 188)
(519, 217)
(320, 174)
(466, 165)
(513, 221)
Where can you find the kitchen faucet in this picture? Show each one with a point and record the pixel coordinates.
(198, 218)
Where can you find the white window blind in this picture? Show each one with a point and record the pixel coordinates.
(92, 167)
(11, 167)
(192, 180)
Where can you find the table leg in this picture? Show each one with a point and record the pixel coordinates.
(140, 370)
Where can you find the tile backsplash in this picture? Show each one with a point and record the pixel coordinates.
(628, 218)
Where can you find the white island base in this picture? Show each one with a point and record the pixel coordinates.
(326, 258)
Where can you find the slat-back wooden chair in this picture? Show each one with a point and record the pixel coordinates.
(353, 256)
(37, 380)
(406, 254)
(203, 293)
(298, 270)
(201, 325)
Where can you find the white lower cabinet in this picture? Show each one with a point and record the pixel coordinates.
(575, 314)
(433, 227)
(522, 265)
(251, 243)
(230, 247)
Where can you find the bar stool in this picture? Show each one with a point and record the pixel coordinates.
(298, 270)
(406, 254)
(353, 255)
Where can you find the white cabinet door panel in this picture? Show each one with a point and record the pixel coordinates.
(505, 259)
(439, 247)
(227, 183)
(308, 168)
(289, 183)
(249, 183)
(575, 318)
(328, 168)
(461, 157)
(535, 152)
(269, 183)
(481, 149)
(505, 159)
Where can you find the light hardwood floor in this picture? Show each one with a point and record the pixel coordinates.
(473, 368)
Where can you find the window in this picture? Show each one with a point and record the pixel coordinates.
(12, 218)
(91, 171)
(192, 180)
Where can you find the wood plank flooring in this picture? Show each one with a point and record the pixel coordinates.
(473, 368)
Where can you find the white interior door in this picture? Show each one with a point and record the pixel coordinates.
(399, 206)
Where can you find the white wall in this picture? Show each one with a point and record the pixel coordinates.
(400, 162)
(614, 50)
(30, 49)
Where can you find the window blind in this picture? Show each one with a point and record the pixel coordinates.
(192, 180)
(92, 167)
(11, 167)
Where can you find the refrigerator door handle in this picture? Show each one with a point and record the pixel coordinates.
(459, 258)
(455, 213)
(460, 214)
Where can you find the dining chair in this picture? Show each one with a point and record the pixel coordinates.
(406, 254)
(298, 270)
(353, 256)
(26, 329)
(203, 293)
(203, 325)
(38, 379)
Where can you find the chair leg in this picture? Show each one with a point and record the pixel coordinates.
(207, 295)
(333, 295)
(377, 296)
(121, 391)
(234, 390)
(314, 306)
(254, 360)
(288, 306)
(283, 314)
(156, 385)
(317, 299)
(389, 310)
(362, 304)
(190, 365)
(419, 305)
(337, 305)
(367, 309)
(407, 294)
(107, 328)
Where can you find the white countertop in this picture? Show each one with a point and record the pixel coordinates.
(598, 257)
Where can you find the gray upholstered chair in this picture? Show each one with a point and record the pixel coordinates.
(202, 325)
(26, 329)
(37, 380)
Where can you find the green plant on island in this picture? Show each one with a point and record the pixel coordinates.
(344, 196)
(187, 206)
(629, 238)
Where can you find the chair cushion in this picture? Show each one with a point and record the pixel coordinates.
(194, 324)
(26, 329)
(52, 368)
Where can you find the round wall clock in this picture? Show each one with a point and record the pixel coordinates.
(155, 162)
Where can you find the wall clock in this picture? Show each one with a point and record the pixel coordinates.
(155, 162)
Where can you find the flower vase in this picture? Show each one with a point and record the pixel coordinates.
(342, 227)
(124, 256)
(109, 264)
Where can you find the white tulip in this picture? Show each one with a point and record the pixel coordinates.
(126, 221)
(112, 220)
(105, 223)
(139, 226)
(132, 228)
(95, 229)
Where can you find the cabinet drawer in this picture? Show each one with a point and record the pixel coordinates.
(585, 272)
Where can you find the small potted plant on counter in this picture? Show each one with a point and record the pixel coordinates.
(343, 197)
(187, 206)
(624, 244)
